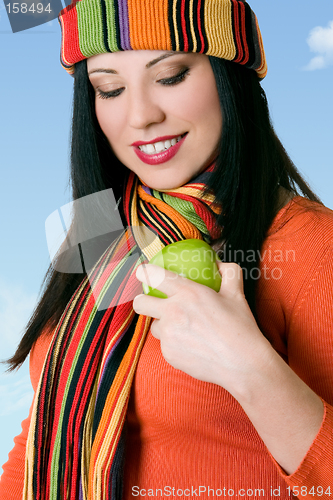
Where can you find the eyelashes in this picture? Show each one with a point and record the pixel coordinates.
(174, 80)
(107, 95)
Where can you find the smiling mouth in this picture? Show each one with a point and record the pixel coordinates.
(159, 147)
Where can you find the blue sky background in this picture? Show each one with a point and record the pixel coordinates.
(35, 107)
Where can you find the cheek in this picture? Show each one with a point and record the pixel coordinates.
(108, 121)
(101, 115)
(209, 102)
(201, 107)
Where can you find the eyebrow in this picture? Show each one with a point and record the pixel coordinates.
(148, 65)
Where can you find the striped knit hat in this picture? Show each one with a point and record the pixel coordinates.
(222, 28)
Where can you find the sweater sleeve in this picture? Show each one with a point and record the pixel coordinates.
(12, 478)
(310, 355)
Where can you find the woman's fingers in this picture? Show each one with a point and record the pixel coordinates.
(162, 279)
(232, 278)
(148, 306)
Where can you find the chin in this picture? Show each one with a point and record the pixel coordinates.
(170, 181)
(163, 187)
(166, 185)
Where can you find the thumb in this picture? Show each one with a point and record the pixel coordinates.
(232, 277)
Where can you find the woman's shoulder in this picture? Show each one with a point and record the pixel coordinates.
(296, 265)
(300, 220)
(298, 249)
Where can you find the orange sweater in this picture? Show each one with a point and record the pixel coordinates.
(188, 438)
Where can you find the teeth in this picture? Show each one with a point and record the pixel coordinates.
(150, 148)
(160, 146)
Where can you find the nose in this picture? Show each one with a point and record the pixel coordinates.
(143, 109)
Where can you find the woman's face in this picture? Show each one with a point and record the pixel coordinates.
(156, 98)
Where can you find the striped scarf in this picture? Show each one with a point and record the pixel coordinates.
(75, 446)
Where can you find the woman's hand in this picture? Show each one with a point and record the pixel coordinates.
(214, 337)
(211, 336)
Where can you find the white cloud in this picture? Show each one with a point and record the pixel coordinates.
(16, 306)
(320, 41)
(14, 395)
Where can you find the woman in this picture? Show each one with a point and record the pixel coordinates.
(204, 393)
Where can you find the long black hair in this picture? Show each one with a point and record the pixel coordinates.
(251, 167)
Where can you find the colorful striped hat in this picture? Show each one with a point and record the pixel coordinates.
(222, 28)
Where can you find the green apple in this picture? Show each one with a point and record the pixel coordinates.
(194, 259)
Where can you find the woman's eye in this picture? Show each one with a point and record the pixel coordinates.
(175, 79)
(108, 95)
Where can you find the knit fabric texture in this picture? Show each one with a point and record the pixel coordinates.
(183, 432)
(75, 445)
(227, 29)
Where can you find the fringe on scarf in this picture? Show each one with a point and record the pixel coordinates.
(75, 447)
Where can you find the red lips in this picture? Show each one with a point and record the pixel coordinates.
(155, 159)
(158, 139)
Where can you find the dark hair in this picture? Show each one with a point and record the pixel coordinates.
(251, 166)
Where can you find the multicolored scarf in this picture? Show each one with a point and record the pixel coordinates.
(76, 440)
